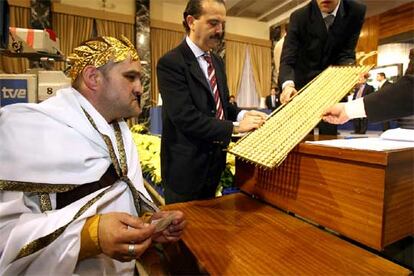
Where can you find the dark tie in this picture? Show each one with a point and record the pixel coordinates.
(329, 19)
(213, 84)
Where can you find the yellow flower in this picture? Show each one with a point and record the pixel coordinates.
(148, 147)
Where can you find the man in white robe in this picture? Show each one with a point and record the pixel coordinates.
(49, 150)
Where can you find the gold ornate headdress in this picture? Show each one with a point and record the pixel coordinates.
(100, 51)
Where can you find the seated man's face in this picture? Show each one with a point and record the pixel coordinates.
(327, 6)
(121, 89)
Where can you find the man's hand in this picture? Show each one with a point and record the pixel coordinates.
(251, 120)
(117, 231)
(173, 231)
(288, 92)
(336, 114)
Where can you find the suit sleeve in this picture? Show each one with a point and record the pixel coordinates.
(370, 89)
(347, 53)
(267, 102)
(290, 51)
(180, 109)
(391, 102)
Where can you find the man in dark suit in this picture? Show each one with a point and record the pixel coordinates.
(362, 89)
(391, 102)
(198, 120)
(323, 33)
(272, 100)
(232, 101)
(382, 83)
(382, 80)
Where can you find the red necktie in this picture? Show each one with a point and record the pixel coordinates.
(213, 84)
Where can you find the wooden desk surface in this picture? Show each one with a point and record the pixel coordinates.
(237, 235)
(364, 195)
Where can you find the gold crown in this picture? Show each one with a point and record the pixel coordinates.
(100, 51)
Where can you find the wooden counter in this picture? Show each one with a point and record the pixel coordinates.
(364, 195)
(238, 235)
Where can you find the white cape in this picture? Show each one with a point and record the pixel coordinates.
(53, 142)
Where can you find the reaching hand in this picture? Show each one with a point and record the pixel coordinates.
(336, 114)
(123, 237)
(252, 119)
(173, 231)
(288, 92)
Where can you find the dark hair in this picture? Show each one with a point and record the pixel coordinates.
(382, 74)
(195, 9)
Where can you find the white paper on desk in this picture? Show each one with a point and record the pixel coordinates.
(374, 143)
(399, 134)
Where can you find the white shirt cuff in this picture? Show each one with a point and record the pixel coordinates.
(288, 82)
(241, 115)
(355, 109)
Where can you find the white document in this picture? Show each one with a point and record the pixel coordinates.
(375, 143)
(399, 134)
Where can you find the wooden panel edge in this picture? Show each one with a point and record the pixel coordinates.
(19, 3)
(353, 155)
(159, 24)
(249, 40)
(91, 13)
(398, 198)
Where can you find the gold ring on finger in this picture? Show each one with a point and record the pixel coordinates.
(131, 250)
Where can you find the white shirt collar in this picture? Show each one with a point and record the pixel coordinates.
(194, 48)
(334, 12)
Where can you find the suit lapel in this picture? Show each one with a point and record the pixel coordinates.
(317, 25)
(198, 74)
(194, 67)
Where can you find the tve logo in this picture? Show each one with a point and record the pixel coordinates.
(13, 91)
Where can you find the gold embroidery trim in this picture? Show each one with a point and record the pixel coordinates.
(44, 241)
(122, 168)
(32, 187)
(45, 203)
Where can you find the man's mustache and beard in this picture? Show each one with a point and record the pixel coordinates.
(219, 38)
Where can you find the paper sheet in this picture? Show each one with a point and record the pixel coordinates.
(375, 143)
(399, 134)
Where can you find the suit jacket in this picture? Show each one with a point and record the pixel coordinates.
(368, 89)
(391, 102)
(309, 48)
(268, 102)
(193, 139)
(234, 104)
(385, 84)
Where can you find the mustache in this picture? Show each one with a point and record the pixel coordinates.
(218, 36)
(138, 99)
